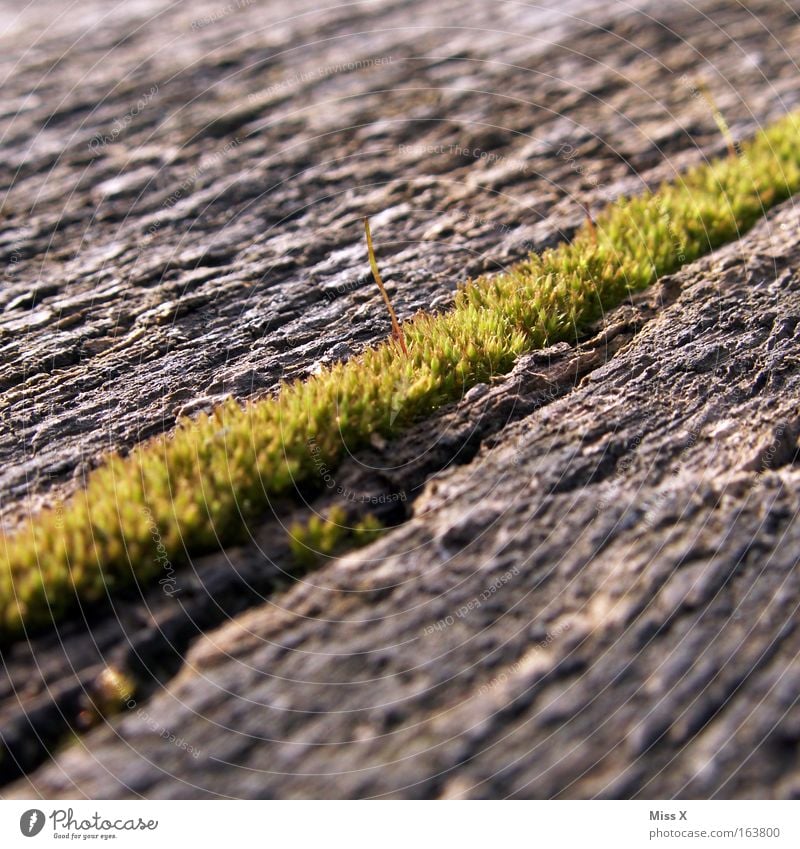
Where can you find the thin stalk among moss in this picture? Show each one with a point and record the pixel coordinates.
(201, 485)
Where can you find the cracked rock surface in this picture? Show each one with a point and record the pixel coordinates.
(595, 589)
(603, 603)
(182, 199)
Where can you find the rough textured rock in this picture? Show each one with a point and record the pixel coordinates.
(183, 196)
(598, 594)
(601, 604)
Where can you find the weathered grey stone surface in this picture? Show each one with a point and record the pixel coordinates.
(183, 205)
(633, 501)
(641, 537)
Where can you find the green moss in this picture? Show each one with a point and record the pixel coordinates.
(324, 536)
(200, 485)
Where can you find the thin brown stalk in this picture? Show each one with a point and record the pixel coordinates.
(397, 330)
(589, 221)
(719, 119)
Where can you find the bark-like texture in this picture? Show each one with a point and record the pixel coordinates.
(183, 217)
(640, 535)
(638, 524)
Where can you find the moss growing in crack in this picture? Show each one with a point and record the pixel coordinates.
(202, 484)
(324, 536)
